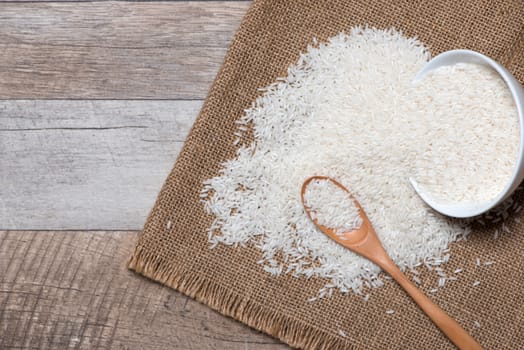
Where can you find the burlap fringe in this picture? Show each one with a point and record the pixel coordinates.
(285, 328)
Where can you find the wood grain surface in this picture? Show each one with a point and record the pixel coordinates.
(114, 50)
(71, 290)
(86, 140)
(86, 164)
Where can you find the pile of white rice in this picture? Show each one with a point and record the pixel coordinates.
(348, 110)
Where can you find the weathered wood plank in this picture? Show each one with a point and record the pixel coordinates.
(71, 290)
(86, 164)
(119, 0)
(114, 50)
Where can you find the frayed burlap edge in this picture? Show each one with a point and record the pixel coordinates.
(219, 298)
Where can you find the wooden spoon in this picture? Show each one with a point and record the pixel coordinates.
(364, 241)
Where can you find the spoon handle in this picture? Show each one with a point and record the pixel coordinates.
(364, 241)
(447, 325)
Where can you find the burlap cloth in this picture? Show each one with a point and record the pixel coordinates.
(270, 38)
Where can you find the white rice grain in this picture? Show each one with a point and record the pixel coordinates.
(349, 110)
(331, 206)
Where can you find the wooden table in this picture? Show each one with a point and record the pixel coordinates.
(96, 99)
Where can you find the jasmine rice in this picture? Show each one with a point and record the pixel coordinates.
(348, 110)
(331, 206)
(468, 160)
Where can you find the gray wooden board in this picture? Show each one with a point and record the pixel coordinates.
(197, 1)
(114, 50)
(71, 290)
(68, 163)
(86, 164)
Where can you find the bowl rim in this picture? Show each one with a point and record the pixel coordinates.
(471, 209)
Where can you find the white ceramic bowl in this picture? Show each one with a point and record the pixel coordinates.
(464, 210)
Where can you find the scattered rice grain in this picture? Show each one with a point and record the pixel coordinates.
(311, 122)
